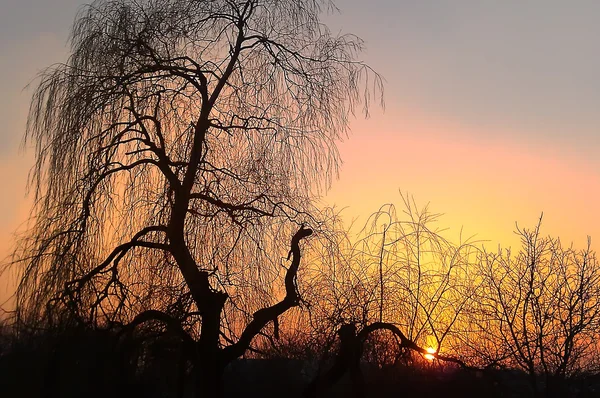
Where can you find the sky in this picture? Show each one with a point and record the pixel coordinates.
(491, 112)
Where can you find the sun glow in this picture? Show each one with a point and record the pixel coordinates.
(430, 351)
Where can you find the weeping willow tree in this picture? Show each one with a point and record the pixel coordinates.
(178, 150)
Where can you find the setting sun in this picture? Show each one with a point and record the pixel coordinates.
(429, 356)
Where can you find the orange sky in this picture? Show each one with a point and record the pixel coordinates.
(491, 112)
(484, 186)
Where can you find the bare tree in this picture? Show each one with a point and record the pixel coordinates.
(538, 310)
(400, 269)
(424, 280)
(177, 150)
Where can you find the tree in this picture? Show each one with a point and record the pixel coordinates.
(176, 151)
(538, 310)
(397, 269)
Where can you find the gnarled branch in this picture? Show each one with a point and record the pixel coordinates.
(269, 314)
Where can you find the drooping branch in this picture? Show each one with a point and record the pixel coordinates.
(172, 324)
(405, 342)
(118, 253)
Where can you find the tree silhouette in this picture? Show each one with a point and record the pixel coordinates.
(177, 151)
(538, 310)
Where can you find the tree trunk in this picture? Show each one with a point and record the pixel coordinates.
(210, 364)
(533, 381)
(347, 360)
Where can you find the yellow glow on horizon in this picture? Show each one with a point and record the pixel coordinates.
(483, 183)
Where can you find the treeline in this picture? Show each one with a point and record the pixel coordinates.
(514, 322)
(534, 309)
